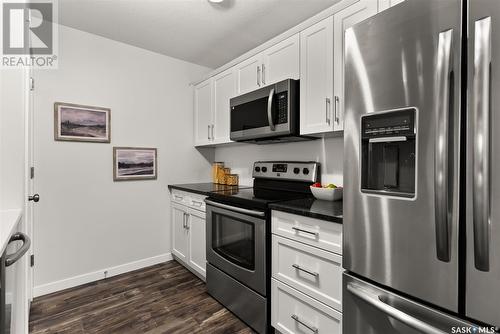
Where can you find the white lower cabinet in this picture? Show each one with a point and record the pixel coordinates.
(294, 312)
(306, 289)
(189, 232)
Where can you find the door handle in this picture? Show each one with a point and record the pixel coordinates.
(213, 131)
(258, 76)
(481, 99)
(12, 258)
(376, 301)
(327, 110)
(441, 150)
(335, 109)
(208, 136)
(186, 219)
(264, 74)
(236, 209)
(35, 198)
(270, 110)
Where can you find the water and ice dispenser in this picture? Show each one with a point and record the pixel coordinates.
(388, 144)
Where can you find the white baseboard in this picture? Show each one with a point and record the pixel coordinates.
(45, 289)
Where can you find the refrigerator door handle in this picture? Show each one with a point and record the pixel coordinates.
(441, 149)
(481, 100)
(376, 301)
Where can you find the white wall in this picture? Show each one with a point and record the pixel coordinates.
(329, 152)
(85, 222)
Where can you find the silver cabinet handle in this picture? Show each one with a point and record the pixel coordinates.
(263, 74)
(376, 301)
(213, 131)
(179, 198)
(315, 274)
(327, 110)
(441, 151)
(187, 221)
(335, 109)
(258, 76)
(481, 99)
(309, 327)
(197, 203)
(270, 110)
(184, 220)
(209, 132)
(305, 231)
(13, 258)
(236, 209)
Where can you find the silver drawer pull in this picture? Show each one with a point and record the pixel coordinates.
(311, 328)
(305, 231)
(197, 203)
(296, 266)
(179, 198)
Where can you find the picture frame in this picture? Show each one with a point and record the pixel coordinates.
(135, 163)
(81, 123)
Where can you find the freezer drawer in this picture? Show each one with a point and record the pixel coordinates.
(369, 309)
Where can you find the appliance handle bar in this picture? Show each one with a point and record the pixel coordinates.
(12, 258)
(394, 313)
(236, 209)
(388, 139)
(481, 143)
(270, 110)
(441, 149)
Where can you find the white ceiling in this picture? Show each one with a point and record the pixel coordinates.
(193, 30)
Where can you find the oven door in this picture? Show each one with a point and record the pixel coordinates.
(236, 243)
(266, 112)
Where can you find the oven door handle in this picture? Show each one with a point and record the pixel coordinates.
(12, 258)
(236, 209)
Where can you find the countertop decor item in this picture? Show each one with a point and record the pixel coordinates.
(216, 171)
(327, 194)
(74, 122)
(134, 163)
(232, 179)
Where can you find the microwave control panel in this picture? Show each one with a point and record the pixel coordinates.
(282, 106)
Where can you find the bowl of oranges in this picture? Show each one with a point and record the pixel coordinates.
(328, 192)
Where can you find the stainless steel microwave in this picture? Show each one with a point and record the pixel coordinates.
(268, 114)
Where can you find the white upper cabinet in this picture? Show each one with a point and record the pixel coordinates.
(316, 73)
(343, 20)
(249, 74)
(224, 88)
(281, 61)
(203, 130)
(385, 4)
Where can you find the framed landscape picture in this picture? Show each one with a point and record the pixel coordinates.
(74, 122)
(134, 163)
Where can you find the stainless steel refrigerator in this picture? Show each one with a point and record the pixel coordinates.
(421, 146)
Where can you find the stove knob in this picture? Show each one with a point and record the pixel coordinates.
(296, 170)
(264, 169)
(257, 169)
(305, 171)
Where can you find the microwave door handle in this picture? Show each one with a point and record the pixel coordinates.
(407, 319)
(481, 111)
(441, 149)
(270, 110)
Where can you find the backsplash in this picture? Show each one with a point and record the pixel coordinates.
(329, 152)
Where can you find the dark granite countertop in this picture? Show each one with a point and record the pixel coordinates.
(203, 188)
(311, 207)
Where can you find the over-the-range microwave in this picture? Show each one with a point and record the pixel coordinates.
(267, 115)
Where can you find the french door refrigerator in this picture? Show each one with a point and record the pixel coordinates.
(421, 198)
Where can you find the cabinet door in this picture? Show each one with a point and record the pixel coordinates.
(203, 113)
(343, 20)
(179, 232)
(316, 78)
(385, 4)
(224, 87)
(197, 241)
(281, 61)
(249, 74)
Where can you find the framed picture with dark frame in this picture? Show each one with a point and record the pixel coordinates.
(134, 163)
(75, 122)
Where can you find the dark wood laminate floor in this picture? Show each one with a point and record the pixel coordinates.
(164, 298)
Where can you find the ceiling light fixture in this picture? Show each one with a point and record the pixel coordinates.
(215, 1)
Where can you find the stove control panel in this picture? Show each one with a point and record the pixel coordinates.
(287, 170)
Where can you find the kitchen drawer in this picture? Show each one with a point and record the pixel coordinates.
(315, 232)
(310, 270)
(295, 312)
(181, 197)
(192, 200)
